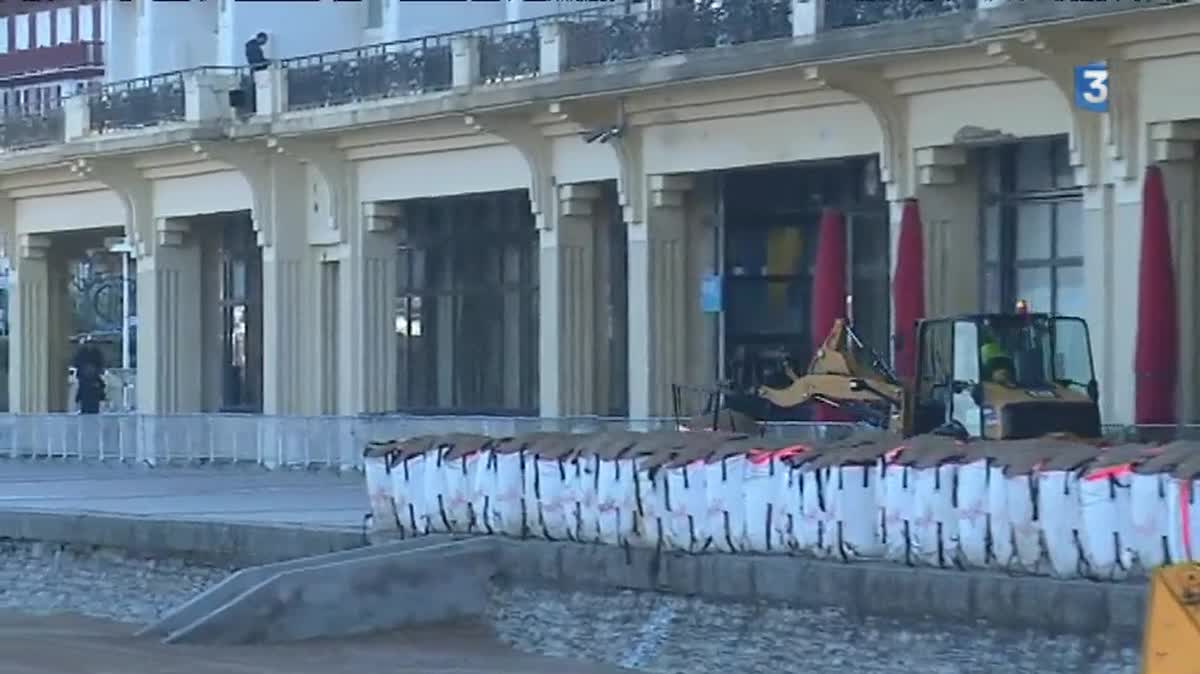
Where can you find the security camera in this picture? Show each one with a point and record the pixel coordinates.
(601, 135)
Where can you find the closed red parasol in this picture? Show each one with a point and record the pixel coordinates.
(908, 289)
(1157, 357)
(829, 290)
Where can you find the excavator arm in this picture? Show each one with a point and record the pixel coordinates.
(836, 376)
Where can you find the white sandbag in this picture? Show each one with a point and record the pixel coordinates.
(652, 510)
(1181, 520)
(933, 529)
(819, 526)
(409, 495)
(972, 490)
(440, 480)
(788, 503)
(857, 512)
(588, 493)
(616, 501)
(1026, 530)
(507, 512)
(676, 528)
(379, 494)
(574, 489)
(1003, 554)
(1104, 511)
(726, 521)
(782, 500)
(685, 502)
(1148, 511)
(758, 472)
(899, 511)
(555, 507)
(807, 528)
(1058, 513)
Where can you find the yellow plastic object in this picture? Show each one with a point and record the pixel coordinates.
(1171, 643)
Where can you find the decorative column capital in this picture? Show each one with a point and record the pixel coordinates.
(33, 246)
(380, 217)
(939, 165)
(1174, 141)
(667, 191)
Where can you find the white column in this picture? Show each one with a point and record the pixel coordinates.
(567, 330)
(658, 297)
(38, 339)
(285, 308)
(948, 195)
(1180, 166)
(368, 301)
(169, 323)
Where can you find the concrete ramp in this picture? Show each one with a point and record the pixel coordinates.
(381, 587)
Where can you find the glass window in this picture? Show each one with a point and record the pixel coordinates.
(1033, 286)
(3, 35)
(87, 30)
(1072, 355)
(1069, 292)
(1064, 173)
(241, 317)
(991, 232)
(1068, 228)
(21, 24)
(63, 29)
(1034, 169)
(1034, 230)
(43, 23)
(466, 308)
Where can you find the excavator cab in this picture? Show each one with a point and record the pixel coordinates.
(1005, 376)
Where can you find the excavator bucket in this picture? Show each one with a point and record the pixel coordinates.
(1171, 642)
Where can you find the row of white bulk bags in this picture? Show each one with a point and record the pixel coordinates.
(973, 515)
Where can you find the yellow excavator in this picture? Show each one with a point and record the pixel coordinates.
(989, 376)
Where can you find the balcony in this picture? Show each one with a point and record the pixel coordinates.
(485, 62)
(67, 57)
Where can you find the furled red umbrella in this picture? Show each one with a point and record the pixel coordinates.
(1157, 357)
(829, 290)
(908, 289)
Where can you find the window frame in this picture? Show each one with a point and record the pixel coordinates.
(1003, 159)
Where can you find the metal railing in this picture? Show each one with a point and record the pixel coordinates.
(137, 103)
(338, 441)
(851, 13)
(27, 129)
(388, 70)
(275, 441)
(509, 51)
(600, 36)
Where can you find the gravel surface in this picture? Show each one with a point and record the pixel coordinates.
(44, 579)
(657, 633)
(638, 631)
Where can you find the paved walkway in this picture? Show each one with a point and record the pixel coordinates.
(226, 494)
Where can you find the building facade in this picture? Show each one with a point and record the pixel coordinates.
(522, 221)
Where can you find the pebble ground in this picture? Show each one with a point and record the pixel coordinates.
(639, 631)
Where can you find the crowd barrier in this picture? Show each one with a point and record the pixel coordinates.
(282, 441)
(1044, 507)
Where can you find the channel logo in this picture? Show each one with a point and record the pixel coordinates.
(1091, 87)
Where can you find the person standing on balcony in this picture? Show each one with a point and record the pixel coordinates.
(254, 53)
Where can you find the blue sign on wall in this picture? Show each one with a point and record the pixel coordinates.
(1091, 87)
(710, 294)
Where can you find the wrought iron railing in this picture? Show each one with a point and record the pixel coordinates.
(603, 35)
(387, 70)
(27, 129)
(137, 103)
(509, 52)
(850, 13)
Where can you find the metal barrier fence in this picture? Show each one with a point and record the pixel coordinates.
(335, 442)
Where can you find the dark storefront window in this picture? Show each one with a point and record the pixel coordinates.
(1032, 228)
(241, 318)
(771, 222)
(467, 314)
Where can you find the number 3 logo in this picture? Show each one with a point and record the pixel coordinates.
(1097, 86)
